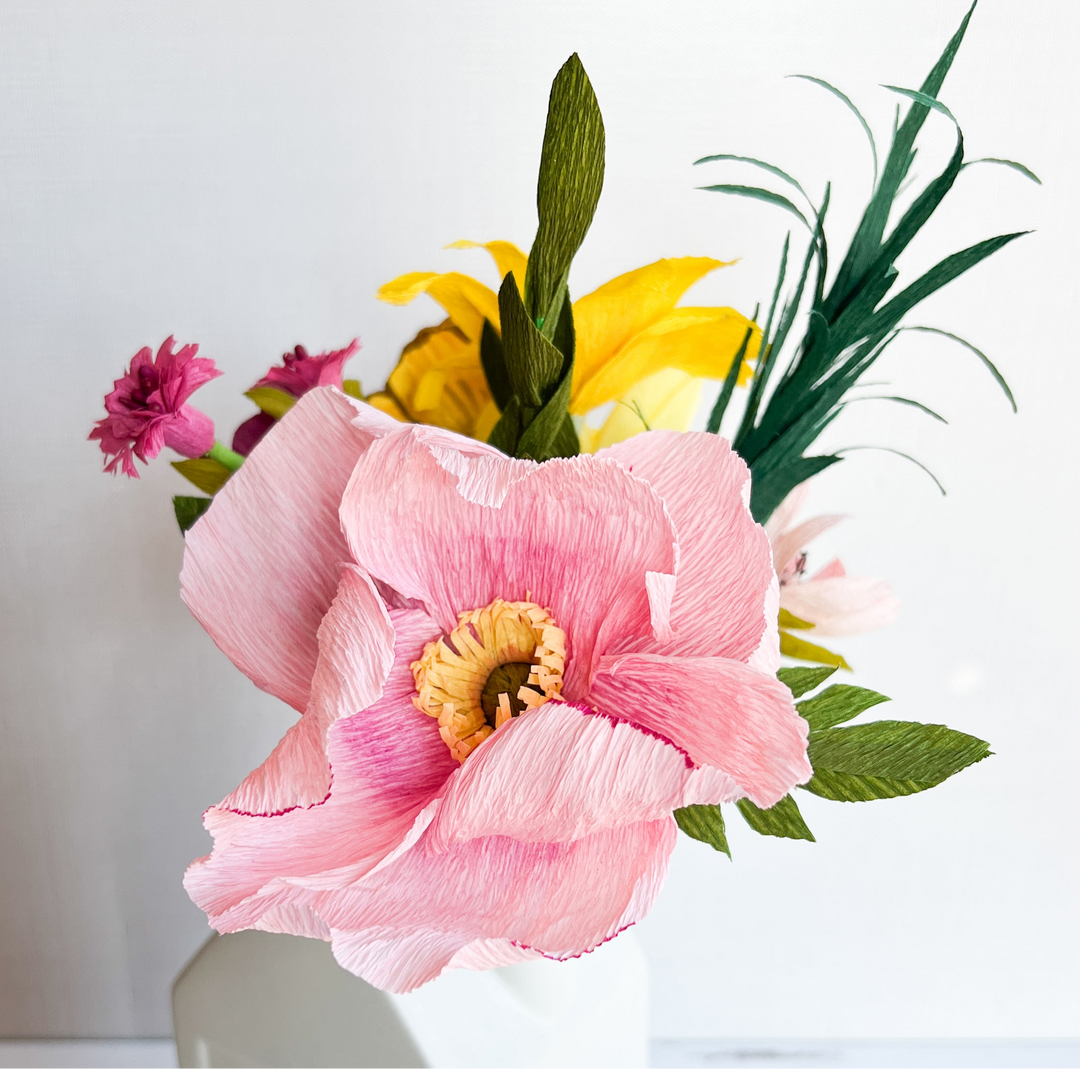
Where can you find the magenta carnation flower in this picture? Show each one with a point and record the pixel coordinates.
(509, 676)
(299, 373)
(147, 409)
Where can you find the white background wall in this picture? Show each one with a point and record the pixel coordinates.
(246, 174)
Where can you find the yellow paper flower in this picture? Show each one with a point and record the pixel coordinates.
(634, 347)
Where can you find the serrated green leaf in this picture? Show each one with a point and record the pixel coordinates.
(567, 191)
(801, 680)
(756, 193)
(352, 388)
(782, 820)
(272, 401)
(801, 650)
(998, 377)
(1025, 171)
(704, 823)
(837, 704)
(189, 509)
(887, 759)
(855, 111)
(208, 474)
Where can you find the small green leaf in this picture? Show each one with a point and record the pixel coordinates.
(837, 704)
(925, 99)
(716, 417)
(494, 364)
(272, 401)
(704, 823)
(551, 432)
(801, 650)
(533, 364)
(352, 388)
(756, 193)
(208, 474)
(189, 509)
(801, 680)
(567, 191)
(782, 820)
(887, 759)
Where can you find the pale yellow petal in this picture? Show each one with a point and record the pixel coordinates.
(507, 256)
(439, 380)
(385, 402)
(609, 317)
(667, 400)
(467, 302)
(699, 341)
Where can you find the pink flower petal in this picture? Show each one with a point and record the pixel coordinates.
(405, 924)
(262, 565)
(725, 714)
(563, 772)
(789, 544)
(190, 432)
(356, 651)
(388, 762)
(725, 565)
(575, 536)
(845, 605)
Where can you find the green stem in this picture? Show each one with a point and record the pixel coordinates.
(225, 456)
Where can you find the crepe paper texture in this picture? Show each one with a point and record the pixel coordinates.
(361, 827)
(148, 408)
(853, 320)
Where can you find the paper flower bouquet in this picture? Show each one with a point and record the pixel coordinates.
(526, 648)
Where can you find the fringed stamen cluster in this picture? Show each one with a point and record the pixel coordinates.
(520, 639)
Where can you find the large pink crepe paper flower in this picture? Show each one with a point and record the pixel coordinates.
(146, 409)
(328, 569)
(300, 372)
(833, 601)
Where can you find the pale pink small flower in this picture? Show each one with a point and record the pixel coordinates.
(146, 408)
(299, 372)
(378, 577)
(833, 601)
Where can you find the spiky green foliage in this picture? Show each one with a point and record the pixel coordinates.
(852, 321)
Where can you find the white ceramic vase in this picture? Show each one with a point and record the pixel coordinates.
(256, 999)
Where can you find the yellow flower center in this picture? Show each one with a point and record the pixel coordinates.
(499, 660)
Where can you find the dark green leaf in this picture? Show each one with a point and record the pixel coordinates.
(896, 452)
(494, 364)
(782, 820)
(551, 432)
(730, 379)
(769, 488)
(189, 509)
(533, 364)
(704, 823)
(1025, 171)
(900, 401)
(998, 377)
(754, 192)
(887, 759)
(925, 99)
(838, 703)
(567, 191)
(858, 114)
(801, 680)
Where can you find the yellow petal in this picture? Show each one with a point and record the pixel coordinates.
(609, 317)
(385, 402)
(507, 256)
(467, 302)
(699, 341)
(667, 400)
(439, 380)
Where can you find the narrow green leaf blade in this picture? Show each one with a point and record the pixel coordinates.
(887, 759)
(493, 361)
(189, 509)
(845, 99)
(272, 401)
(756, 193)
(899, 453)
(782, 820)
(801, 680)
(208, 474)
(771, 168)
(998, 377)
(706, 824)
(837, 704)
(533, 364)
(1025, 171)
